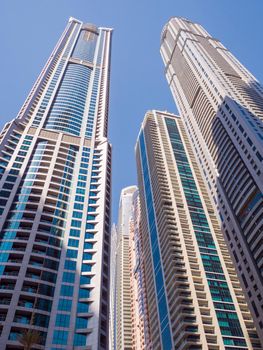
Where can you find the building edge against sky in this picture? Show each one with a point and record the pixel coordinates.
(55, 191)
(221, 104)
(193, 293)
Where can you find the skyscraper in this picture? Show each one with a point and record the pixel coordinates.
(113, 285)
(140, 314)
(129, 315)
(55, 200)
(122, 324)
(195, 300)
(221, 104)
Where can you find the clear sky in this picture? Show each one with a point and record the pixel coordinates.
(30, 29)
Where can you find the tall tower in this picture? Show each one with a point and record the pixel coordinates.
(55, 191)
(129, 314)
(221, 104)
(113, 287)
(140, 313)
(194, 297)
(123, 294)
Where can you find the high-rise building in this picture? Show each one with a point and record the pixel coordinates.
(194, 297)
(129, 326)
(221, 104)
(55, 189)
(122, 323)
(113, 281)
(140, 315)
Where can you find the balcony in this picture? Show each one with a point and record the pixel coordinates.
(22, 319)
(26, 303)
(7, 286)
(29, 289)
(10, 273)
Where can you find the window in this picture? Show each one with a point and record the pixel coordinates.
(77, 214)
(92, 201)
(83, 307)
(85, 280)
(88, 245)
(90, 226)
(91, 217)
(64, 305)
(62, 320)
(70, 265)
(68, 277)
(91, 209)
(71, 253)
(73, 242)
(79, 198)
(43, 304)
(79, 339)
(87, 256)
(41, 320)
(81, 322)
(60, 337)
(89, 236)
(66, 291)
(76, 223)
(74, 232)
(11, 178)
(84, 293)
(78, 206)
(86, 267)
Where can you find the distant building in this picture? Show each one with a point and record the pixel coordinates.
(221, 104)
(113, 285)
(122, 331)
(55, 166)
(194, 297)
(128, 308)
(140, 314)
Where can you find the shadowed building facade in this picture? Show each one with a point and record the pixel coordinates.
(55, 166)
(221, 104)
(194, 297)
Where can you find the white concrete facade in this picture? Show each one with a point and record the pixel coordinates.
(123, 316)
(221, 105)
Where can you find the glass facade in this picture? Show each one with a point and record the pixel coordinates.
(156, 256)
(67, 110)
(193, 296)
(55, 200)
(86, 45)
(225, 310)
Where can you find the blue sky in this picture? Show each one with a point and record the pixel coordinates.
(29, 30)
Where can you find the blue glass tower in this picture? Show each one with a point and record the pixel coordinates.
(55, 184)
(194, 297)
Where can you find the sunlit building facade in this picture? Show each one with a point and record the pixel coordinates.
(129, 326)
(141, 339)
(113, 282)
(55, 184)
(194, 297)
(221, 104)
(122, 286)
